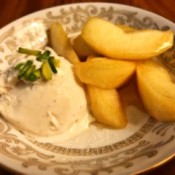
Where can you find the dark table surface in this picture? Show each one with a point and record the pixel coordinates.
(14, 9)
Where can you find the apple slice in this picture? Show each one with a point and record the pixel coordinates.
(157, 90)
(112, 41)
(103, 72)
(83, 50)
(61, 43)
(106, 107)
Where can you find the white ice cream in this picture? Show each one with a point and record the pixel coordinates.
(47, 108)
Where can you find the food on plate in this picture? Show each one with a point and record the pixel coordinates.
(103, 72)
(61, 43)
(157, 90)
(28, 71)
(99, 73)
(82, 49)
(111, 41)
(41, 92)
(108, 112)
(45, 108)
(106, 107)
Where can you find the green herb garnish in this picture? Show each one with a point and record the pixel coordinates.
(18, 66)
(46, 71)
(29, 51)
(34, 75)
(52, 65)
(24, 68)
(28, 71)
(44, 56)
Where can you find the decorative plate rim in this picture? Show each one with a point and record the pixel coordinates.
(96, 4)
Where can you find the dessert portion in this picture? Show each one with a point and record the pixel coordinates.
(46, 94)
(136, 54)
(45, 108)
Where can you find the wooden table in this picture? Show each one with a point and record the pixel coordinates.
(14, 9)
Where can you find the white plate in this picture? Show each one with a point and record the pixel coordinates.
(144, 144)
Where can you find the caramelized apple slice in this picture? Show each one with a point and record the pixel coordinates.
(112, 41)
(61, 44)
(83, 50)
(157, 90)
(104, 73)
(106, 107)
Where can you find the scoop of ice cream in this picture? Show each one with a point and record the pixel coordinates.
(47, 108)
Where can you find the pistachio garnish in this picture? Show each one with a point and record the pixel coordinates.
(28, 71)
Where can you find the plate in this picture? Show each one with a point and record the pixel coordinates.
(142, 145)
